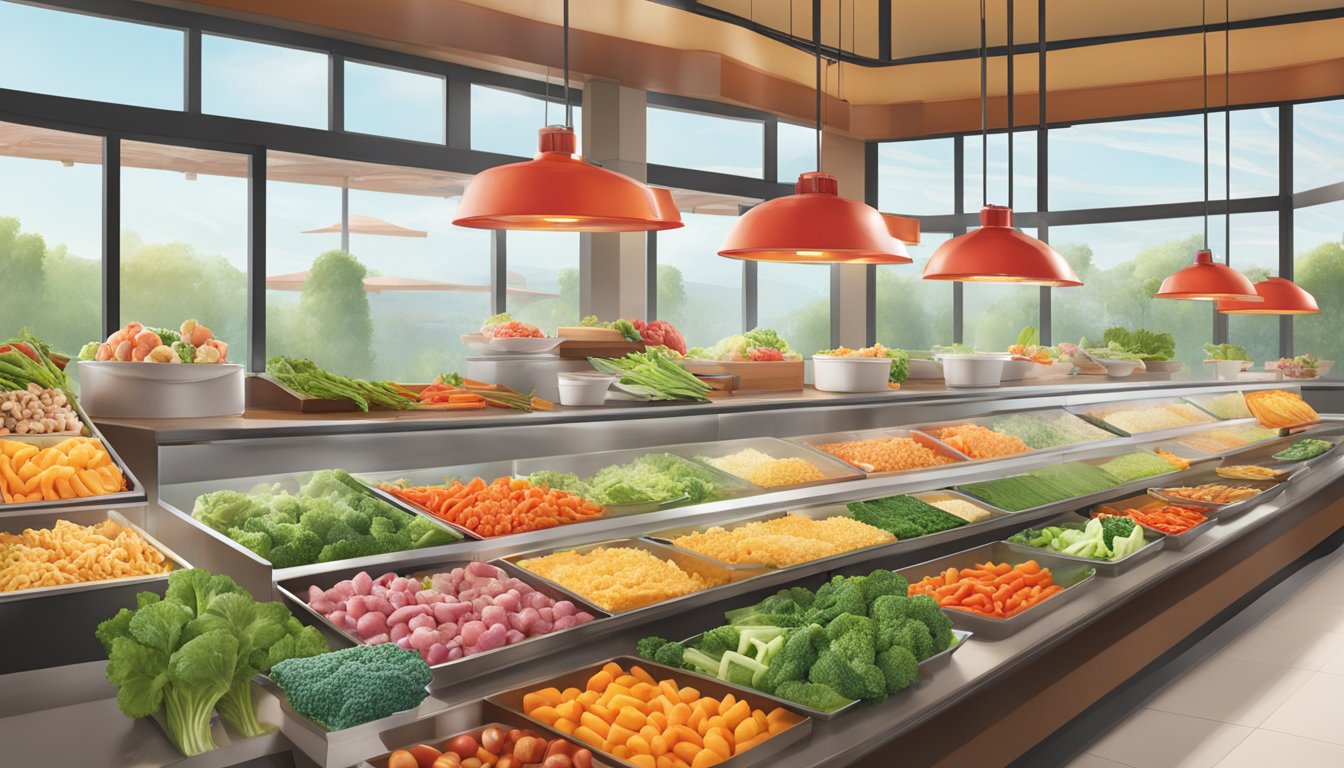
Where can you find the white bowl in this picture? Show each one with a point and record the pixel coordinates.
(477, 342)
(525, 346)
(122, 390)
(585, 388)
(1322, 368)
(1119, 369)
(972, 370)
(1228, 370)
(925, 369)
(833, 373)
(1018, 370)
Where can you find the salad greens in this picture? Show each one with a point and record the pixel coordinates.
(756, 344)
(1226, 352)
(1111, 351)
(650, 479)
(626, 328)
(308, 378)
(655, 374)
(1149, 345)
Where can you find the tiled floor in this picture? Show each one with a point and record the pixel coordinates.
(1271, 693)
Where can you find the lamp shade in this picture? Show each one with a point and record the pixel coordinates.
(559, 192)
(1279, 297)
(1207, 280)
(814, 226)
(998, 253)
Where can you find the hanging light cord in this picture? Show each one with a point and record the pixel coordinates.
(1204, 37)
(569, 115)
(984, 109)
(1227, 128)
(816, 42)
(1010, 103)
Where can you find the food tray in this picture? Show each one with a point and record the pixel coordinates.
(585, 465)
(687, 561)
(932, 429)
(466, 720)
(1068, 574)
(925, 667)
(1268, 490)
(295, 590)
(1173, 540)
(1101, 495)
(832, 469)
(1263, 453)
(133, 494)
(1041, 415)
(814, 442)
(1156, 540)
(762, 754)
(1205, 403)
(1097, 412)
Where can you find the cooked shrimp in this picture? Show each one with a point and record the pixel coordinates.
(195, 333)
(207, 354)
(220, 346)
(105, 352)
(162, 354)
(123, 351)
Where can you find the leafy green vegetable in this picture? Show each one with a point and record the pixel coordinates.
(1302, 450)
(739, 347)
(1075, 478)
(1136, 466)
(1149, 345)
(649, 479)
(627, 328)
(1031, 430)
(88, 351)
(353, 686)
(1226, 352)
(307, 378)
(1029, 337)
(654, 373)
(18, 369)
(905, 517)
(1110, 538)
(1112, 351)
(1014, 493)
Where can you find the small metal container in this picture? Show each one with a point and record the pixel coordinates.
(1156, 540)
(586, 465)
(295, 590)
(832, 469)
(430, 477)
(1268, 490)
(815, 442)
(1173, 540)
(1236, 401)
(761, 754)
(1097, 413)
(1263, 453)
(1066, 573)
(134, 493)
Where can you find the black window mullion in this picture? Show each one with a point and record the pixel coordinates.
(111, 275)
(499, 271)
(749, 294)
(335, 93)
(770, 160)
(458, 109)
(1287, 237)
(651, 276)
(959, 209)
(256, 261)
(191, 83)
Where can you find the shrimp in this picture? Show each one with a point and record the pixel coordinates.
(145, 342)
(220, 346)
(117, 337)
(105, 352)
(207, 354)
(162, 354)
(195, 333)
(123, 351)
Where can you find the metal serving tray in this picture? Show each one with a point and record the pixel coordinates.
(832, 469)
(687, 561)
(1230, 427)
(295, 590)
(585, 465)
(133, 494)
(1156, 540)
(1263, 453)
(466, 720)
(761, 754)
(1173, 540)
(960, 636)
(1066, 573)
(1204, 401)
(1268, 490)
(1097, 413)
(814, 442)
(85, 516)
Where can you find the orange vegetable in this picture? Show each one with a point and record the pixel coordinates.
(402, 759)
(998, 590)
(507, 505)
(424, 755)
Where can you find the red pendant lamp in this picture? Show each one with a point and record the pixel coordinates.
(559, 192)
(815, 225)
(997, 252)
(1206, 279)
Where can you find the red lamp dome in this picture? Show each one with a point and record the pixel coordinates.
(1207, 280)
(998, 253)
(1279, 296)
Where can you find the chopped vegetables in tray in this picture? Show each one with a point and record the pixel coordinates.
(784, 541)
(764, 470)
(904, 516)
(494, 746)
(1076, 478)
(856, 637)
(618, 578)
(1136, 466)
(446, 616)
(1076, 429)
(1214, 441)
(968, 511)
(1247, 472)
(1167, 518)
(1277, 409)
(1228, 405)
(980, 442)
(69, 553)
(1014, 493)
(1101, 538)
(1150, 418)
(1302, 450)
(996, 590)
(1035, 432)
(886, 454)
(72, 469)
(630, 714)
(332, 517)
(650, 479)
(1213, 493)
(507, 505)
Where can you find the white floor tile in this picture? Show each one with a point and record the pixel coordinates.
(1268, 748)
(1334, 664)
(1288, 647)
(1327, 589)
(1089, 760)
(1230, 690)
(1154, 739)
(1313, 711)
(1307, 617)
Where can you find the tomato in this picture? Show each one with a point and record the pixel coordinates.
(425, 755)
(402, 759)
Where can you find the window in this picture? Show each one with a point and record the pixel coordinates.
(393, 102)
(184, 239)
(51, 235)
(1255, 253)
(1255, 154)
(392, 305)
(90, 57)
(1122, 265)
(706, 142)
(1024, 171)
(507, 121)
(544, 278)
(914, 313)
(795, 300)
(699, 291)
(1319, 268)
(995, 313)
(1130, 162)
(916, 178)
(257, 81)
(1316, 140)
(797, 151)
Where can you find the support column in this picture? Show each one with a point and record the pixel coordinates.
(851, 310)
(613, 265)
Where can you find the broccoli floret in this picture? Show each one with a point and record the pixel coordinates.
(833, 671)
(795, 659)
(915, 637)
(223, 510)
(848, 622)
(719, 640)
(840, 595)
(353, 686)
(822, 698)
(267, 523)
(427, 533)
(800, 595)
(355, 546)
(647, 647)
(778, 603)
(925, 609)
(286, 508)
(881, 583)
(899, 668)
(258, 542)
(670, 655)
(855, 648)
(321, 520)
(1113, 526)
(295, 545)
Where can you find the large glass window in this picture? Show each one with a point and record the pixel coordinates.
(50, 235)
(1319, 267)
(544, 278)
(1255, 253)
(795, 300)
(259, 81)
(386, 101)
(995, 313)
(1318, 133)
(916, 178)
(1130, 162)
(797, 151)
(184, 239)
(392, 304)
(706, 142)
(699, 291)
(90, 57)
(1024, 171)
(507, 121)
(914, 313)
